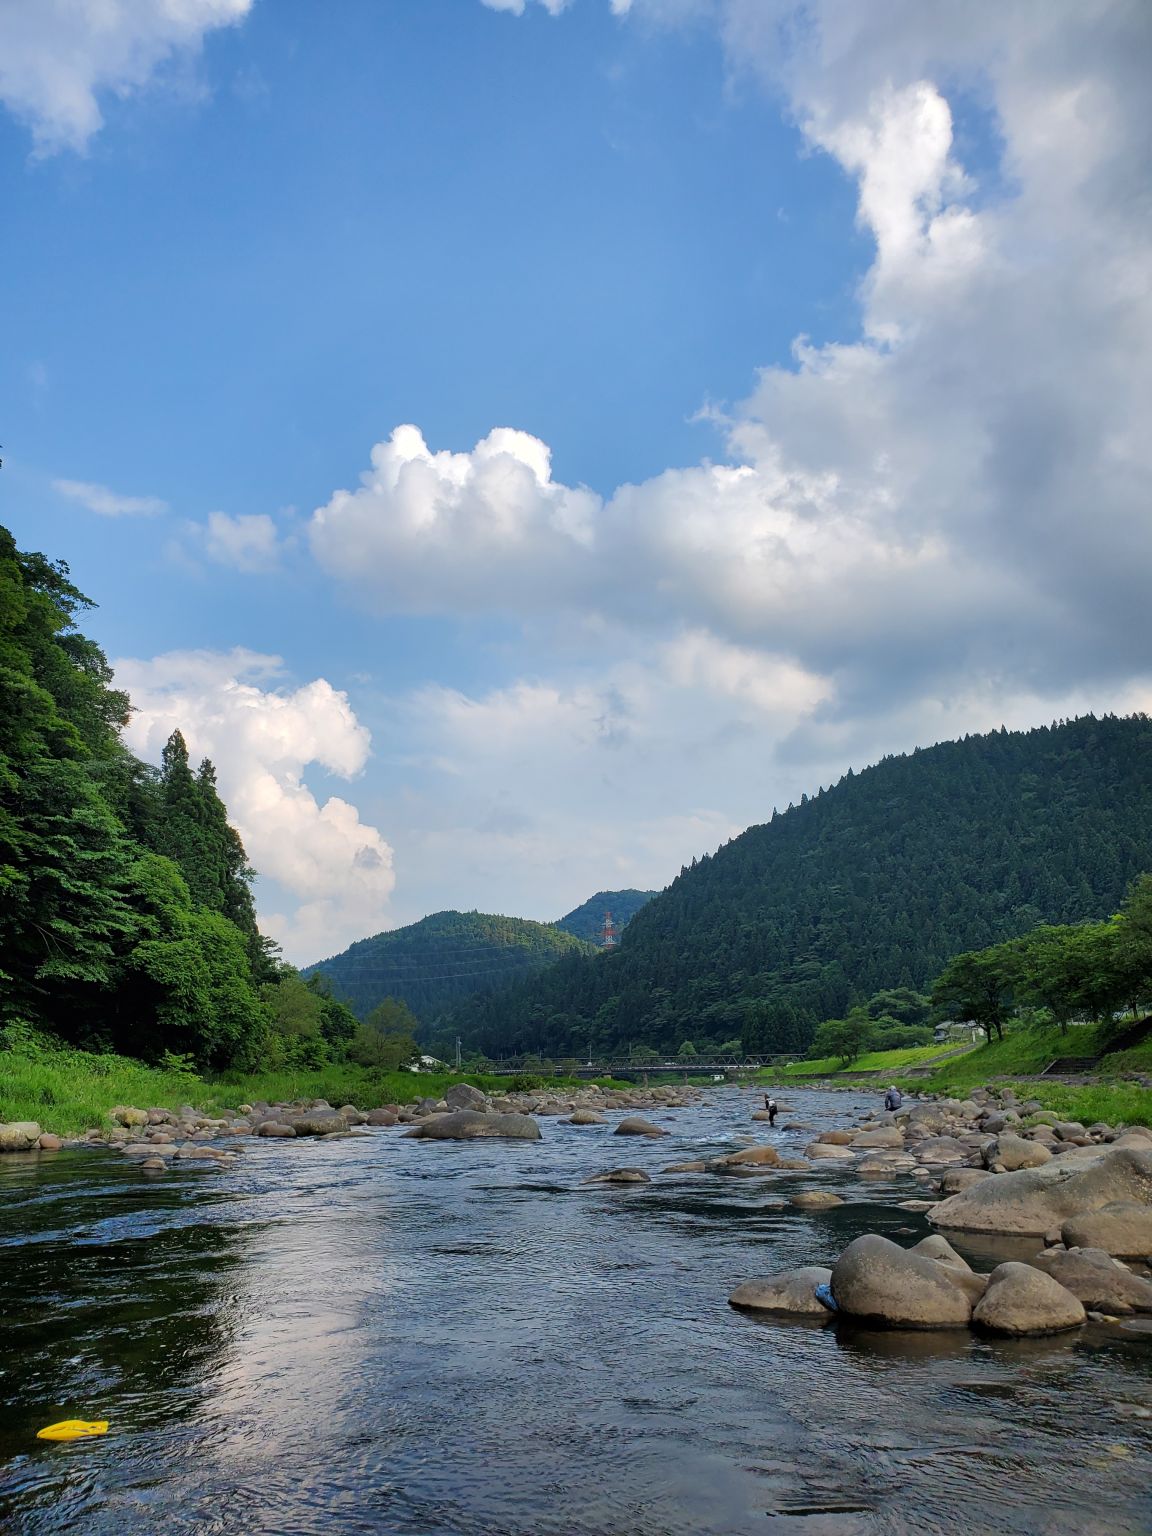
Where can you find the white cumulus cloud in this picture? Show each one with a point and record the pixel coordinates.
(57, 57)
(246, 542)
(106, 503)
(956, 496)
(262, 738)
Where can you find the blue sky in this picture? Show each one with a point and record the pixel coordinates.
(800, 301)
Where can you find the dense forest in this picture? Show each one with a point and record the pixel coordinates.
(433, 964)
(126, 914)
(587, 920)
(874, 883)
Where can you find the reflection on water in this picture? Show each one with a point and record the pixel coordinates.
(445, 1339)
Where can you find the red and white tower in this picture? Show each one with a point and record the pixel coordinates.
(609, 939)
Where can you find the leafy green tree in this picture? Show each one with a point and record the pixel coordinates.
(687, 1049)
(392, 1017)
(977, 986)
(904, 1005)
(846, 1038)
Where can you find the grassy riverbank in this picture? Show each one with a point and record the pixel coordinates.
(871, 1061)
(69, 1091)
(1024, 1053)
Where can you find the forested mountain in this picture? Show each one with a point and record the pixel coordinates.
(436, 962)
(875, 882)
(126, 917)
(587, 920)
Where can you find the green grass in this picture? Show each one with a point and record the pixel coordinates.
(1024, 1053)
(70, 1091)
(880, 1061)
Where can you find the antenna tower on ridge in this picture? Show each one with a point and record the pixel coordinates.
(609, 939)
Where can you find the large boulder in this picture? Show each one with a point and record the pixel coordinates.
(468, 1124)
(879, 1136)
(942, 1149)
(1099, 1281)
(876, 1281)
(634, 1125)
(127, 1114)
(756, 1157)
(19, 1135)
(1021, 1300)
(828, 1151)
(620, 1176)
(815, 1200)
(1038, 1200)
(381, 1117)
(316, 1123)
(275, 1128)
(835, 1138)
(953, 1180)
(585, 1117)
(794, 1290)
(1122, 1229)
(465, 1096)
(1013, 1153)
(960, 1272)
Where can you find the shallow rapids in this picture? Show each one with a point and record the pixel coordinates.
(395, 1336)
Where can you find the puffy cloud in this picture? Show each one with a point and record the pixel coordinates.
(246, 542)
(106, 503)
(518, 7)
(262, 739)
(954, 500)
(58, 56)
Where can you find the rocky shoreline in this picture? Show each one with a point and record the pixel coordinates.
(1078, 1197)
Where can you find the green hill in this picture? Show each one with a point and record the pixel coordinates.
(875, 882)
(436, 962)
(587, 920)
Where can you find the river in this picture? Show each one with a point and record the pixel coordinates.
(383, 1335)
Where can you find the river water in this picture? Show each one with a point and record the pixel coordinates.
(382, 1335)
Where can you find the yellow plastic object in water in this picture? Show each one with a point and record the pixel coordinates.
(73, 1429)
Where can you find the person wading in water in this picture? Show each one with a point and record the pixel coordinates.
(893, 1099)
(773, 1109)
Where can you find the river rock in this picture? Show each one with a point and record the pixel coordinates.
(634, 1125)
(758, 1157)
(1038, 1200)
(275, 1128)
(465, 1096)
(470, 1124)
(793, 1290)
(381, 1117)
(814, 1200)
(620, 1176)
(1022, 1300)
(146, 1149)
(1013, 1153)
(960, 1272)
(49, 1143)
(695, 1167)
(1122, 1229)
(1100, 1282)
(835, 1138)
(318, 1124)
(877, 1281)
(942, 1149)
(19, 1135)
(154, 1165)
(828, 1151)
(127, 1114)
(586, 1117)
(953, 1180)
(879, 1136)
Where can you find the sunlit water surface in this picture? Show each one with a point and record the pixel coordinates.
(462, 1339)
